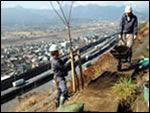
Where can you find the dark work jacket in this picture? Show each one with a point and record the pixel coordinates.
(128, 27)
(59, 68)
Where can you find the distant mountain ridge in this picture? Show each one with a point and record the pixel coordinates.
(22, 16)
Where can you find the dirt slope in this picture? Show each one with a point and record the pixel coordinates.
(97, 96)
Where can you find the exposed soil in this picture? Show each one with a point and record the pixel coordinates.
(97, 96)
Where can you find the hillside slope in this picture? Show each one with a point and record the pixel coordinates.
(101, 77)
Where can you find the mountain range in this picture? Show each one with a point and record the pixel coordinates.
(23, 16)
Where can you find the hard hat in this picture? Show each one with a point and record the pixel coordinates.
(128, 9)
(53, 48)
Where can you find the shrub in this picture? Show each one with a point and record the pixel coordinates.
(125, 89)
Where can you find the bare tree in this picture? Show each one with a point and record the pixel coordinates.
(67, 22)
(64, 19)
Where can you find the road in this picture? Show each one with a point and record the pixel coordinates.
(49, 85)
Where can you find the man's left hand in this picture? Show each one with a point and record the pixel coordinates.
(135, 36)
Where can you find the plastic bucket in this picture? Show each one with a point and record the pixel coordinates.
(146, 91)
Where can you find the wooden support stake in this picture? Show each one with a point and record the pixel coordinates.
(80, 66)
(73, 73)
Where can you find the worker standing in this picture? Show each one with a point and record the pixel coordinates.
(60, 71)
(128, 30)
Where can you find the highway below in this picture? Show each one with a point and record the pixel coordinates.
(43, 82)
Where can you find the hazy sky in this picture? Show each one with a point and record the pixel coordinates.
(138, 5)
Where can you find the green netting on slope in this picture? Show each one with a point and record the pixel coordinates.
(71, 108)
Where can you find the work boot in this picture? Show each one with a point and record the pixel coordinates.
(62, 100)
(57, 103)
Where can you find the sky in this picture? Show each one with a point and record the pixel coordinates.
(138, 5)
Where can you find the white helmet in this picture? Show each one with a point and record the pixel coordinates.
(53, 48)
(128, 9)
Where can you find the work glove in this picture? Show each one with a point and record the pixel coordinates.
(120, 36)
(69, 57)
(135, 36)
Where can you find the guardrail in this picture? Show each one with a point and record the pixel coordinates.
(7, 83)
(110, 44)
(8, 95)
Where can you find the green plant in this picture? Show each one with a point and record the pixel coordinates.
(125, 89)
